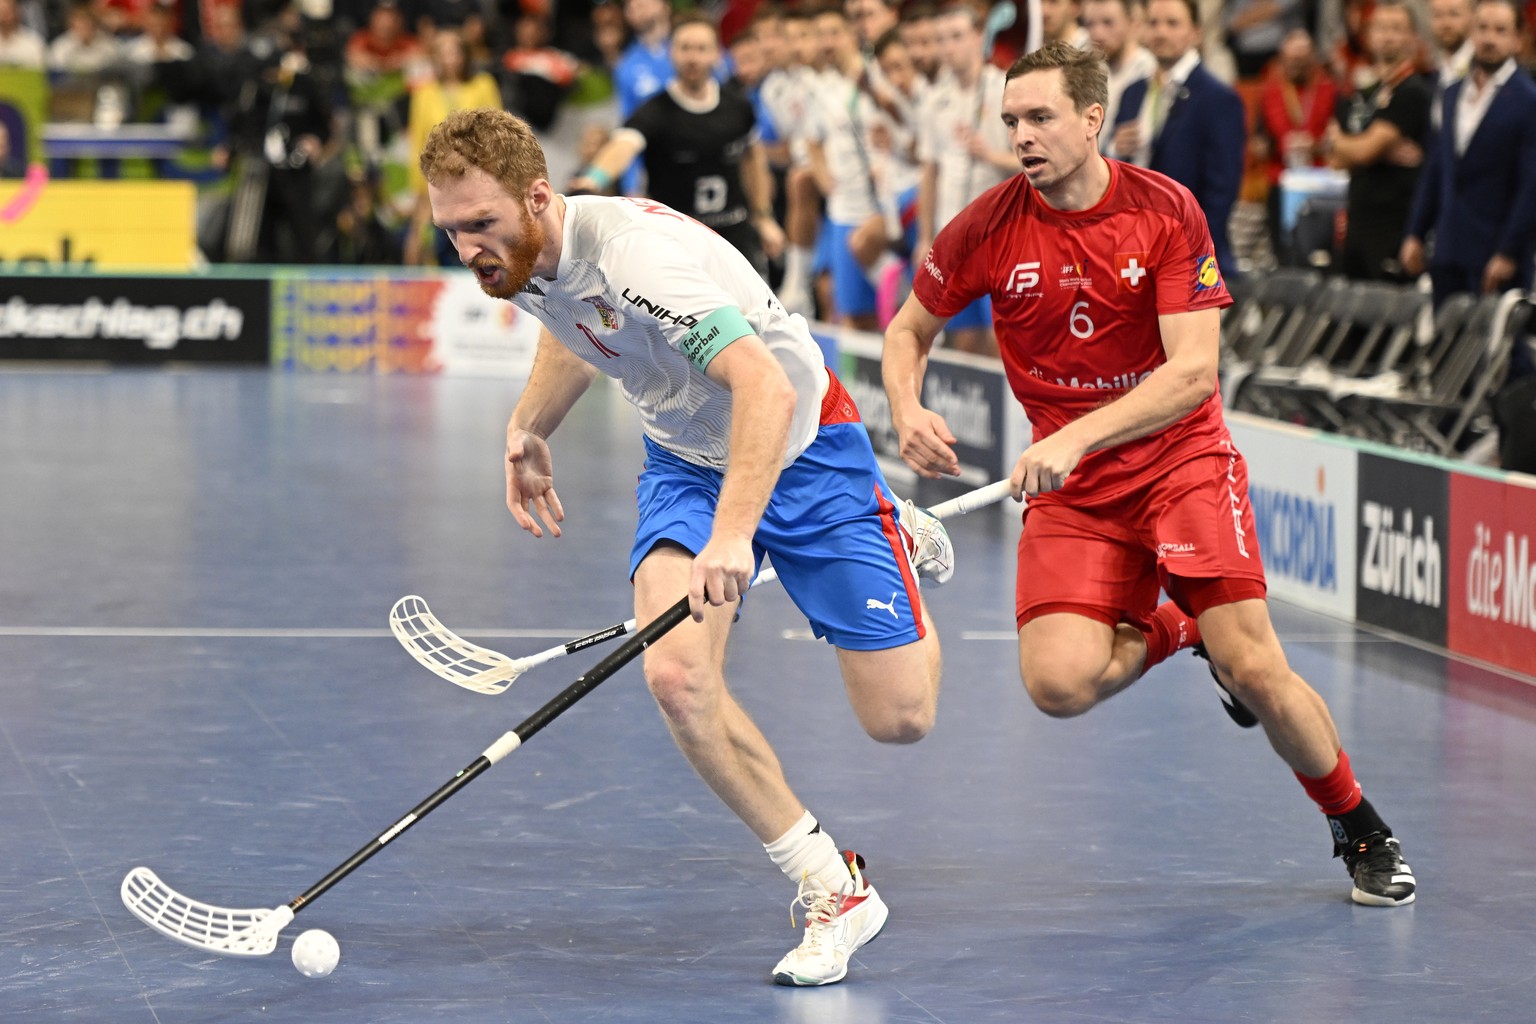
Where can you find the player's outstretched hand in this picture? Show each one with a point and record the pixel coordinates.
(721, 574)
(1045, 466)
(531, 483)
(926, 445)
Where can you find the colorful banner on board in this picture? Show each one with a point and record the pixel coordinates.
(382, 323)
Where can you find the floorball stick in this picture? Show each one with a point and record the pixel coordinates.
(483, 670)
(253, 931)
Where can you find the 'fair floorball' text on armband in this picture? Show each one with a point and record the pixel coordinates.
(713, 333)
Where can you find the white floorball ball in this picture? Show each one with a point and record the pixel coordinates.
(315, 953)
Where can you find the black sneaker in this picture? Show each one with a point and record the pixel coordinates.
(1382, 878)
(1236, 709)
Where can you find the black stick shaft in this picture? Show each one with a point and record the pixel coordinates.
(556, 707)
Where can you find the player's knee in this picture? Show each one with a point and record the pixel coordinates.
(1060, 696)
(901, 725)
(1258, 680)
(680, 685)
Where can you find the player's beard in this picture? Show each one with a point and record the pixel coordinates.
(517, 270)
(1488, 63)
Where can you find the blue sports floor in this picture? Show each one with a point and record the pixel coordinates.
(196, 675)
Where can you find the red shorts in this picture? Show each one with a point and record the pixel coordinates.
(1190, 532)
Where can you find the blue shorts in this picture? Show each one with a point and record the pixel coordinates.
(830, 529)
(906, 212)
(852, 294)
(821, 256)
(977, 314)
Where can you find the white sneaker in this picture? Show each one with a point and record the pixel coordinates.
(932, 554)
(835, 927)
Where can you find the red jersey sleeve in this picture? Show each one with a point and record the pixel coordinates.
(954, 273)
(1186, 274)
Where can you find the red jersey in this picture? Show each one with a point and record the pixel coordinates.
(1075, 301)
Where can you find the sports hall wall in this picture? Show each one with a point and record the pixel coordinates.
(1437, 551)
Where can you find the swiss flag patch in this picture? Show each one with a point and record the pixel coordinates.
(1130, 270)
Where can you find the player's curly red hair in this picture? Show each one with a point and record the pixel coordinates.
(494, 141)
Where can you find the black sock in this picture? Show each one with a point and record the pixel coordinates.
(1357, 823)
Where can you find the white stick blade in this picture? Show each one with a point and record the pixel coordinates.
(223, 930)
(447, 654)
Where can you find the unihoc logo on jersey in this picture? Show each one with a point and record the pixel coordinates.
(1208, 275)
(660, 312)
(1130, 270)
(1024, 277)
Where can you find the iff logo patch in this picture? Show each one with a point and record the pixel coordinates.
(1208, 275)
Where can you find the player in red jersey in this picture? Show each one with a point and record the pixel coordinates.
(1105, 296)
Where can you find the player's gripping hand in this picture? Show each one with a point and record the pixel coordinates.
(926, 444)
(1044, 466)
(531, 483)
(721, 574)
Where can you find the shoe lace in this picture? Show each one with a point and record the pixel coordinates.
(821, 910)
(1374, 851)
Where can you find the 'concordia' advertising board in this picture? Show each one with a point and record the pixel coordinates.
(1303, 492)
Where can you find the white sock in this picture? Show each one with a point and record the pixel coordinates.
(876, 274)
(806, 850)
(797, 267)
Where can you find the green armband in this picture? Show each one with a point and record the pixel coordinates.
(712, 334)
(598, 176)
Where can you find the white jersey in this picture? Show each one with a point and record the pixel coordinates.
(1134, 68)
(635, 278)
(781, 98)
(953, 112)
(839, 121)
(897, 168)
(789, 104)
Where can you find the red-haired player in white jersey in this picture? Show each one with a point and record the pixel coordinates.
(1105, 295)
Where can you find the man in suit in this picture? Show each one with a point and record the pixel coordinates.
(1184, 122)
(1115, 27)
(1378, 137)
(1478, 190)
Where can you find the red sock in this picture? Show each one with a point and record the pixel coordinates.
(1168, 631)
(1337, 792)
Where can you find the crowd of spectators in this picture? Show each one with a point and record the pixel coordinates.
(1383, 139)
